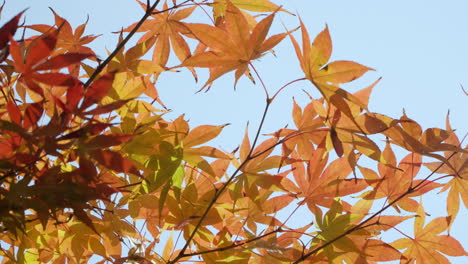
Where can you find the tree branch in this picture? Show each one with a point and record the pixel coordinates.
(121, 45)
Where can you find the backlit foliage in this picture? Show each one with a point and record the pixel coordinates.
(92, 171)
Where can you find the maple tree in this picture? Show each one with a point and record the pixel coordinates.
(89, 164)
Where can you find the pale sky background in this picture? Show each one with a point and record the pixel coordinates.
(418, 47)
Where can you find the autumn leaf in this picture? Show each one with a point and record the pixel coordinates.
(194, 155)
(232, 47)
(81, 215)
(104, 166)
(35, 60)
(317, 183)
(67, 39)
(131, 60)
(220, 6)
(6, 33)
(408, 134)
(427, 245)
(355, 247)
(114, 161)
(393, 181)
(130, 86)
(168, 30)
(326, 76)
(97, 90)
(458, 171)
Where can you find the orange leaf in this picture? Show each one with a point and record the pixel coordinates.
(231, 48)
(202, 134)
(337, 72)
(324, 76)
(277, 203)
(427, 243)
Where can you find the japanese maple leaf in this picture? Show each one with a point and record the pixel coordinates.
(316, 123)
(72, 41)
(458, 170)
(194, 153)
(67, 39)
(231, 46)
(355, 247)
(256, 164)
(427, 245)
(219, 6)
(134, 75)
(318, 184)
(36, 59)
(393, 181)
(130, 60)
(345, 134)
(167, 27)
(326, 76)
(7, 31)
(409, 135)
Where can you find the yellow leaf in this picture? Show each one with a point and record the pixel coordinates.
(169, 247)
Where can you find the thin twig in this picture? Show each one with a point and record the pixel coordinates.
(223, 188)
(234, 245)
(261, 81)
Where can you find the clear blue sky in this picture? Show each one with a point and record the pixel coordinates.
(418, 47)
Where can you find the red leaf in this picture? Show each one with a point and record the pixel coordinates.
(9, 29)
(74, 95)
(97, 128)
(107, 108)
(60, 103)
(105, 141)
(98, 90)
(105, 190)
(114, 161)
(16, 55)
(32, 114)
(41, 49)
(6, 32)
(14, 112)
(90, 129)
(62, 60)
(87, 169)
(337, 145)
(34, 87)
(55, 79)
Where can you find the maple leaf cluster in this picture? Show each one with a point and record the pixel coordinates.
(89, 164)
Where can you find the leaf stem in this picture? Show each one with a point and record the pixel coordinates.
(261, 81)
(286, 85)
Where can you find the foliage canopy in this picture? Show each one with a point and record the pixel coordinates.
(89, 164)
